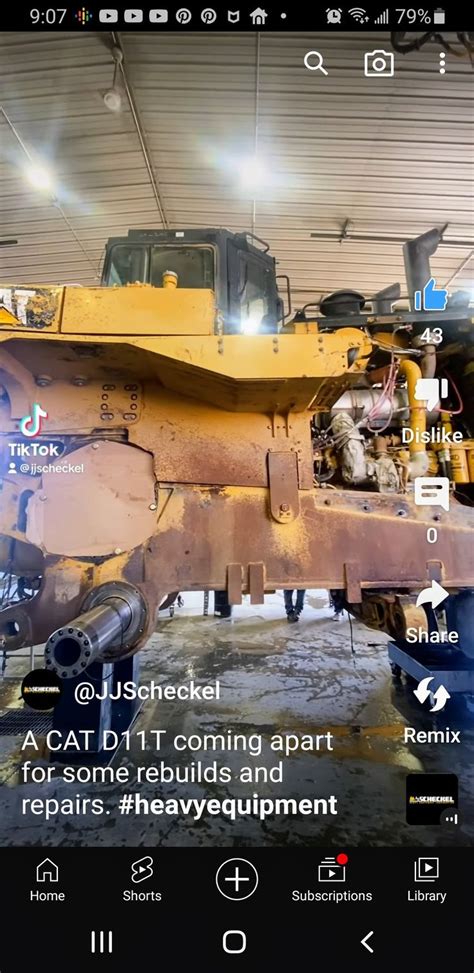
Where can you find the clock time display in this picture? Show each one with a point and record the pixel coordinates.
(49, 16)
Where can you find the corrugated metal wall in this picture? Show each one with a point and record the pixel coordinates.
(392, 155)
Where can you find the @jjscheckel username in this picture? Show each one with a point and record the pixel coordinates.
(85, 692)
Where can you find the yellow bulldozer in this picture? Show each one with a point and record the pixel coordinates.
(179, 428)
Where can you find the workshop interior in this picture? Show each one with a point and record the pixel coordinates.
(237, 427)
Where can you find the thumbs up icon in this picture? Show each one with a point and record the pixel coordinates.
(31, 425)
(433, 299)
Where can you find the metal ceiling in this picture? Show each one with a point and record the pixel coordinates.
(391, 155)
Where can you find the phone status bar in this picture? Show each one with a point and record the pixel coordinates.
(294, 17)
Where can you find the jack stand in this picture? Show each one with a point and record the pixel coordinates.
(447, 666)
(96, 715)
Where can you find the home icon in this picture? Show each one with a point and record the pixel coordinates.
(258, 16)
(47, 871)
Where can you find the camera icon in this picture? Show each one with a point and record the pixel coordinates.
(378, 62)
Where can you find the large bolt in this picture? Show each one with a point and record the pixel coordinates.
(284, 507)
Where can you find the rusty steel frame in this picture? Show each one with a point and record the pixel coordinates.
(232, 471)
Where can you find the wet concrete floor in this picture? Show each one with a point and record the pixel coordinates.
(298, 679)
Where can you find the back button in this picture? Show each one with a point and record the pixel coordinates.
(365, 941)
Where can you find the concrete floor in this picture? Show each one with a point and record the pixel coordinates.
(274, 677)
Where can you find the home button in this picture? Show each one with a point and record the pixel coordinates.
(234, 941)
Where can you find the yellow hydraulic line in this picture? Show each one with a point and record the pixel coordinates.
(412, 373)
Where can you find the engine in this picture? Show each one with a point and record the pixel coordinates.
(368, 441)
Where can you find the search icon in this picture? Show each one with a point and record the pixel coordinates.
(308, 62)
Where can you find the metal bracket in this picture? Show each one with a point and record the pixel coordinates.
(280, 421)
(234, 584)
(283, 485)
(257, 582)
(352, 579)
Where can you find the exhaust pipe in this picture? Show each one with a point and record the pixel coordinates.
(111, 624)
(416, 254)
(383, 300)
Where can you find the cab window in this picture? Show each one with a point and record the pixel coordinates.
(193, 265)
(127, 265)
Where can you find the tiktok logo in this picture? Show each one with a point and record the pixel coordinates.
(31, 425)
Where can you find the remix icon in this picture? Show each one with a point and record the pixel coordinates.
(439, 698)
(83, 15)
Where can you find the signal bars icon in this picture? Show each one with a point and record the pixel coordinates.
(383, 19)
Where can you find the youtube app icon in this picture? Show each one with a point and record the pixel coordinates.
(108, 16)
(133, 16)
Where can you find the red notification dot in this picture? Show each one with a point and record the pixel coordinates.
(342, 859)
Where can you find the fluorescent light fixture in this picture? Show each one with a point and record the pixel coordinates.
(40, 178)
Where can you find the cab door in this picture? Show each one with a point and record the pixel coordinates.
(252, 293)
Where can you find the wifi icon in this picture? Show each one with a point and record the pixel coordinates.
(358, 14)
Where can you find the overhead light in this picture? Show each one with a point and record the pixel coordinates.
(253, 173)
(113, 99)
(40, 178)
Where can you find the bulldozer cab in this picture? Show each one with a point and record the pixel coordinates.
(240, 274)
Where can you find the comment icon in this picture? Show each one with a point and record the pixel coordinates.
(432, 491)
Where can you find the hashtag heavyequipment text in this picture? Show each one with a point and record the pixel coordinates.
(126, 804)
